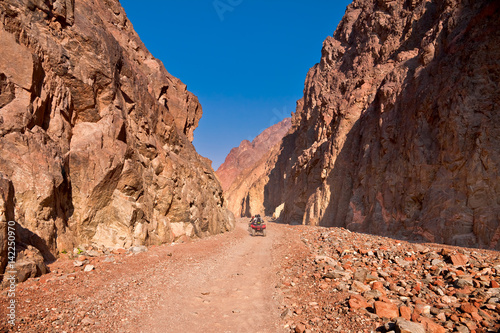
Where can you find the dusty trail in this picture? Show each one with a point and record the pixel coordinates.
(228, 291)
(223, 283)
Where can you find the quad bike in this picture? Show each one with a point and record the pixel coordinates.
(257, 227)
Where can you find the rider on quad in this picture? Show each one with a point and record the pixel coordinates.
(257, 224)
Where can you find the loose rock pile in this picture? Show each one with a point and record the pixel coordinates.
(350, 282)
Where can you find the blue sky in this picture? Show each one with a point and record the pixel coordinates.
(246, 60)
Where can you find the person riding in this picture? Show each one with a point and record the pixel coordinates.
(256, 219)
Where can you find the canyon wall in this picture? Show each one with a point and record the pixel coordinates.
(398, 132)
(95, 134)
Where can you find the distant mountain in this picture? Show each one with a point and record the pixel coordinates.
(243, 164)
(248, 153)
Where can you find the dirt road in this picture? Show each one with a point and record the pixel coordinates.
(224, 283)
(231, 290)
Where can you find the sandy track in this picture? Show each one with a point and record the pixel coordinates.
(223, 283)
(227, 290)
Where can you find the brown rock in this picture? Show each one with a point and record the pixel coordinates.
(6, 215)
(95, 134)
(378, 286)
(432, 327)
(405, 326)
(468, 308)
(422, 308)
(81, 257)
(459, 259)
(441, 316)
(17, 61)
(405, 312)
(300, 328)
(379, 143)
(29, 263)
(476, 316)
(359, 287)
(357, 302)
(386, 310)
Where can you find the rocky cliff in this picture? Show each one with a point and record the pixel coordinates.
(95, 134)
(398, 131)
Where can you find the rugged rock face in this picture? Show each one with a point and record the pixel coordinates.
(6, 215)
(243, 167)
(95, 134)
(398, 131)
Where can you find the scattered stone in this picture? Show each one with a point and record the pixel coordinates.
(93, 253)
(431, 292)
(359, 287)
(88, 268)
(431, 326)
(358, 302)
(468, 308)
(405, 326)
(300, 328)
(78, 263)
(119, 251)
(285, 314)
(386, 310)
(405, 312)
(87, 321)
(138, 249)
(360, 275)
(459, 259)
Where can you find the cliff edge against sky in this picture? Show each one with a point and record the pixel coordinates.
(398, 131)
(95, 134)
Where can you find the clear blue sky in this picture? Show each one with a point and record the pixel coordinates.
(246, 60)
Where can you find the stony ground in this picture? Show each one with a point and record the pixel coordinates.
(297, 279)
(350, 282)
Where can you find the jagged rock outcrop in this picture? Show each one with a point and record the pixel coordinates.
(241, 172)
(398, 130)
(95, 134)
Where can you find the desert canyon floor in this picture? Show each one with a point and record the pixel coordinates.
(297, 279)
(225, 283)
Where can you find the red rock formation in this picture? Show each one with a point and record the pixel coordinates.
(248, 153)
(245, 165)
(95, 134)
(398, 131)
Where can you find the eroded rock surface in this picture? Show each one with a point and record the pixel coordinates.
(398, 130)
(95, 134)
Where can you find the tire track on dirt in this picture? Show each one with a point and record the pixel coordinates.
(229, 291)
